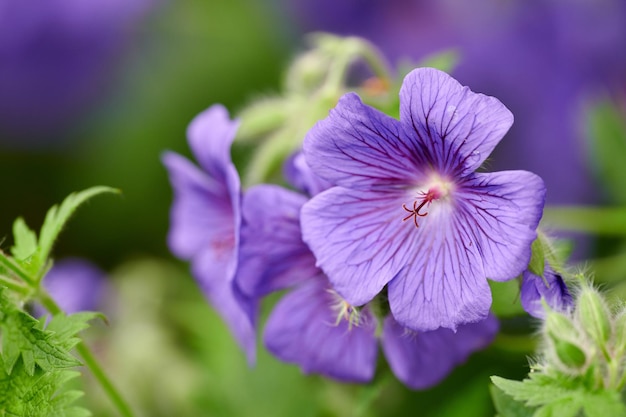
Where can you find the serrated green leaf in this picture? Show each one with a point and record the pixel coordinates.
(506, 406)
(56, 218)
(603, 403)
(23, 336)
(564, 407)
(534, 391)
(25, 240)
(42, 394)
(65, 328)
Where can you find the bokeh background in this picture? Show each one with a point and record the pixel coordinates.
(91, 93)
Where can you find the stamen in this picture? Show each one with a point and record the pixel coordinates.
(345, 311)
(428, 197)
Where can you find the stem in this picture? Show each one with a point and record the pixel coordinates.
(14, 285)
(15, 268)
(90, 361)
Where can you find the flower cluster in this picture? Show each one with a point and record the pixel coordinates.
(390, 237)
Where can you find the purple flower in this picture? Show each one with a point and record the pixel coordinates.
(76, 285)
(551, 288)
(205, 219)
(313, 326)
(408, 211)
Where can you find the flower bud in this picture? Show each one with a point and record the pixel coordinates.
(563, 339)
(594, 316)
(571, 356)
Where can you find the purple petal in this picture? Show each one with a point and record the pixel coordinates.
(358, 146)
(238, 310)
(452, 125)
(202, 213)
(422, 359)
(302, 329)
(502, 211)
(76, 285)
(443, 283)
(356, 239)
(299, 174)
(272, 253)
(550, 288)
(211, 134)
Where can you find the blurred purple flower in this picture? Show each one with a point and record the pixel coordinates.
(409, 212)
(312, 325)
(542, 58)
(55, 57)
(205, 219)
(551, 288)
(76, 285)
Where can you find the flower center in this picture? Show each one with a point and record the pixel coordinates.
(438, 190)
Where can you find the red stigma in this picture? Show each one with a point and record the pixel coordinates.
(428, 197)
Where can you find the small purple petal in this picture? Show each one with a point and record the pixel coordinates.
(238, 310)
(447, 119)
(302, 329)
(211, 134)
(202, 211)
(358, 146)
(299, 174)
(550, 288)
(76, 285)
(272, 254)
(422, 359)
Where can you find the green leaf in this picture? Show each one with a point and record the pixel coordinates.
(506, 406)
(22, 337)
(25, 240)
(603, 403)
(42, 394)
(560, 397)
(564, 407)
(56, 218)
(534, 391)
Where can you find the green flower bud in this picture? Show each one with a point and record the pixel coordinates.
(594, 316)
(560, 326)
(563, 339)
(572, 357)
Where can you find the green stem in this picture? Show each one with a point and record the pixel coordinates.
(90, 361)
(14, 285)
(9, 264)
